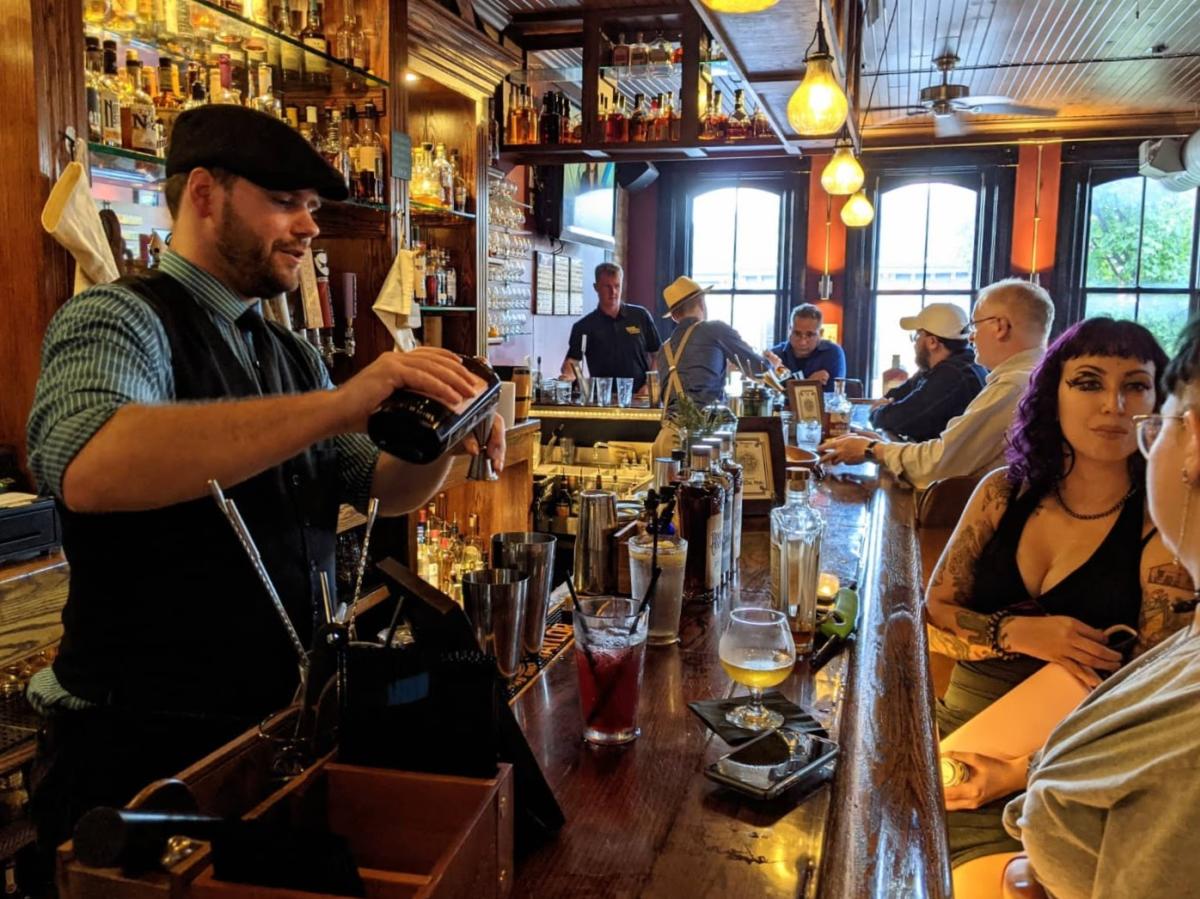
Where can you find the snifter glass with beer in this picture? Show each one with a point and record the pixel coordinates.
(757, 651)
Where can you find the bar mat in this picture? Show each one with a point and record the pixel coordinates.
(559, 637)
(712, 713)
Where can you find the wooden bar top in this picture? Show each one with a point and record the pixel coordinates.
(642, 820)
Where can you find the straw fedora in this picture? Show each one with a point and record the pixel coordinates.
(680, 290)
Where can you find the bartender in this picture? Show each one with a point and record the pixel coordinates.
(620, 338)
(150, 387)
(696, 357)
(804, 351)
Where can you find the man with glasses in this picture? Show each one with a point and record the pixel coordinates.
(1009, 329)
(948, 376)
(805, 352)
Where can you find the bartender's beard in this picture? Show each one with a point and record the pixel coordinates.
(250, 271)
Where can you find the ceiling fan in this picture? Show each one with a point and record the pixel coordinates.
(949, 103)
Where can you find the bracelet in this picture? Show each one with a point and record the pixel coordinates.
(993, 635)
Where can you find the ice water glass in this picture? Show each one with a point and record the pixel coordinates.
(757, 651)
(667, 602)
(624, 392)
(602, 391)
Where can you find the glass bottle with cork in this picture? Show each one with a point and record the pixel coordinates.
(838, 410)
(701, 514)
(736, 471)
(727, 485)
(313, 37)
(638, 121)
(738, 125)
(895, 375)
(796, 532)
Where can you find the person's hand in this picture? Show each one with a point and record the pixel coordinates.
(496, 445)
(882, 401)
(775, 361)
(1059, 638)
(988, 779)
(850, 449)
(430, 371)
(866, 432)
(820, 375)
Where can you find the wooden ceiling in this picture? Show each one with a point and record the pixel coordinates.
(1121, 67)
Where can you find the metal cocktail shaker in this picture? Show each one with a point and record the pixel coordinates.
(594, 570)
(532, 554)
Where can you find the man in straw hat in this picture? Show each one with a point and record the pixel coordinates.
(697, 355)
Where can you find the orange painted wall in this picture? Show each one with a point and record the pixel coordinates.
(1035, 210)
(822, 207)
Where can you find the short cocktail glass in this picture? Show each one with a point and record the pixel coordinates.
(757, 651)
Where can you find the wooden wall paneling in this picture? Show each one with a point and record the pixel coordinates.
(41, 87)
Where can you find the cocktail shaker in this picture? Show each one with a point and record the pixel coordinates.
(594, 570)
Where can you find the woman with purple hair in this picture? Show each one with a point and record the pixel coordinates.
(1051, 551)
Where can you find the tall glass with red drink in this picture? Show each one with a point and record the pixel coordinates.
(610, 649)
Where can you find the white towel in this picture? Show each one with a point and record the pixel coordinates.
(70, 216)
(394, 306)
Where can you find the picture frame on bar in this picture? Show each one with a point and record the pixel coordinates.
(806, 400)
(759, 449)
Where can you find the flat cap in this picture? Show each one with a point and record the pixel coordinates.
(254, 145)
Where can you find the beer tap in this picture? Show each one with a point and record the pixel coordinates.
(329, 348)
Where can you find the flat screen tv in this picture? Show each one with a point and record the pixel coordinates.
(589, 202)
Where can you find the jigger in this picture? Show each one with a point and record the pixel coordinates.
(480, 468)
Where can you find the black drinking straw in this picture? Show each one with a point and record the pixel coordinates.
(587, 650)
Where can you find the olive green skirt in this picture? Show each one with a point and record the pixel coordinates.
(973, 687)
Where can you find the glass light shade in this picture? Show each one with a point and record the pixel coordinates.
(737, 6)
(858, 211)
(843, 175)
(818, 105)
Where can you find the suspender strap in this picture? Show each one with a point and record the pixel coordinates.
(674, 385)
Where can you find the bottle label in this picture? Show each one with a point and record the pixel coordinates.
(143, 130)
(95, 119)
(317, 65)
(110, 118)
(716, 530)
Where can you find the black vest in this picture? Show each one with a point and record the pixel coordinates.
(165, 612)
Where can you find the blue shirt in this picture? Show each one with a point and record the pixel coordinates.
(616, 346)
(828, 356)
(705, 360)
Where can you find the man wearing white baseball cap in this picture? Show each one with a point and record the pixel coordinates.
(1008, 328)
(948, 376)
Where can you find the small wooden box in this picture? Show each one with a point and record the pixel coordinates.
(412, 834)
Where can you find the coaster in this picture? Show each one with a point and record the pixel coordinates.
(712, 713)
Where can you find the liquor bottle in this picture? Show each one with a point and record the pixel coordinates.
(637, 121)
(796, 530)
(716, 121)
(576, 125)
(760, 128)
(372, 166)
(93, 73)
(548, 121)
(676, 117)
(198, 96)
(313, 37)
(493, 133)
(738, 125)
(169, 95)
(736, 471)
(894, 376)
(95, 12)
(451, 284)
(266, 100)
(444, 177)
(309, 128)
(564, 118)
(728, 486)
(347, 161)
(123, 17)
(223, 90)
(639, 54)
(620, 124)
(837, 411)
(331, 137)
(657, 127)
(707, 119)
(350, 47)
(530, 116)
(660, 56)
(701, 511)
(602, 118)
(155, 129)
(138, 130)
(419, 273)
(462, 195)
(620, 54)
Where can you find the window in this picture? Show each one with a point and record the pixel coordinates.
(1141, 255)
(735, 246)
(926, 254)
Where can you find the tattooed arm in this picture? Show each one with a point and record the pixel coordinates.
(955, 630)
(1164, 582)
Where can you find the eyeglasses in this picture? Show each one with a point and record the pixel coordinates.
(914, 336)
(1148, 428)
(806, 335)
(974, 325)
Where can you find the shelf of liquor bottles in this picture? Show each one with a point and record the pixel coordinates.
(294, 44)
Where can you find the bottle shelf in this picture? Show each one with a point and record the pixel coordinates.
(203, 24)
(427, 213)
(591, 152)
(714, 68)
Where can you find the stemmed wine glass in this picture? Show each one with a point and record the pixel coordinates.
(757, 651)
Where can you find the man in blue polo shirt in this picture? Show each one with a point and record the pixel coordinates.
(620, 337)
(804, 351)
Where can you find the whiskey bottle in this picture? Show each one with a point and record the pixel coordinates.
(727, 484)
(760, 128)
(93, 73)
(895, 375)
(286, 21)
(138, 130)
(701, 510)
(676, 117)
(310, 128)
(529, 117)
(461, 194)
(602, 118)
(493, 133)
(444, 176)
(223, 90)
(738, 125)
(347, 161)
(639, 54)
(619, 123)
(564, 118)
(796, 531)
(198, 96)
(620, 54)
(736, 471)
(313, 37)
(512, 117)
(837, 411)
(548, 121)
(717, 120)
(350, 47)
(637, 121)
(331, 137)
(660, 56)
(708, 121)
(372, 165)
(265, 100)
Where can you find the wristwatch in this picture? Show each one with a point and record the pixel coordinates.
(869, 452)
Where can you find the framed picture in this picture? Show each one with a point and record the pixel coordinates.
(759, 450)
(806, 400)
(562, 285)
(829, 331)
(543, 302)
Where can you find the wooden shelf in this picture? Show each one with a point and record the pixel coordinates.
(447, 310)
(520, 154)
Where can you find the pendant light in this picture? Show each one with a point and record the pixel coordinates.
(739, 6)
(858, 211)
(818, 105)
(843, 175)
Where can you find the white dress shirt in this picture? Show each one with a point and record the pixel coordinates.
(972, 443)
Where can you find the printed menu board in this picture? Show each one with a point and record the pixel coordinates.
(543, 297)
(562, 285)
(576, 285)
